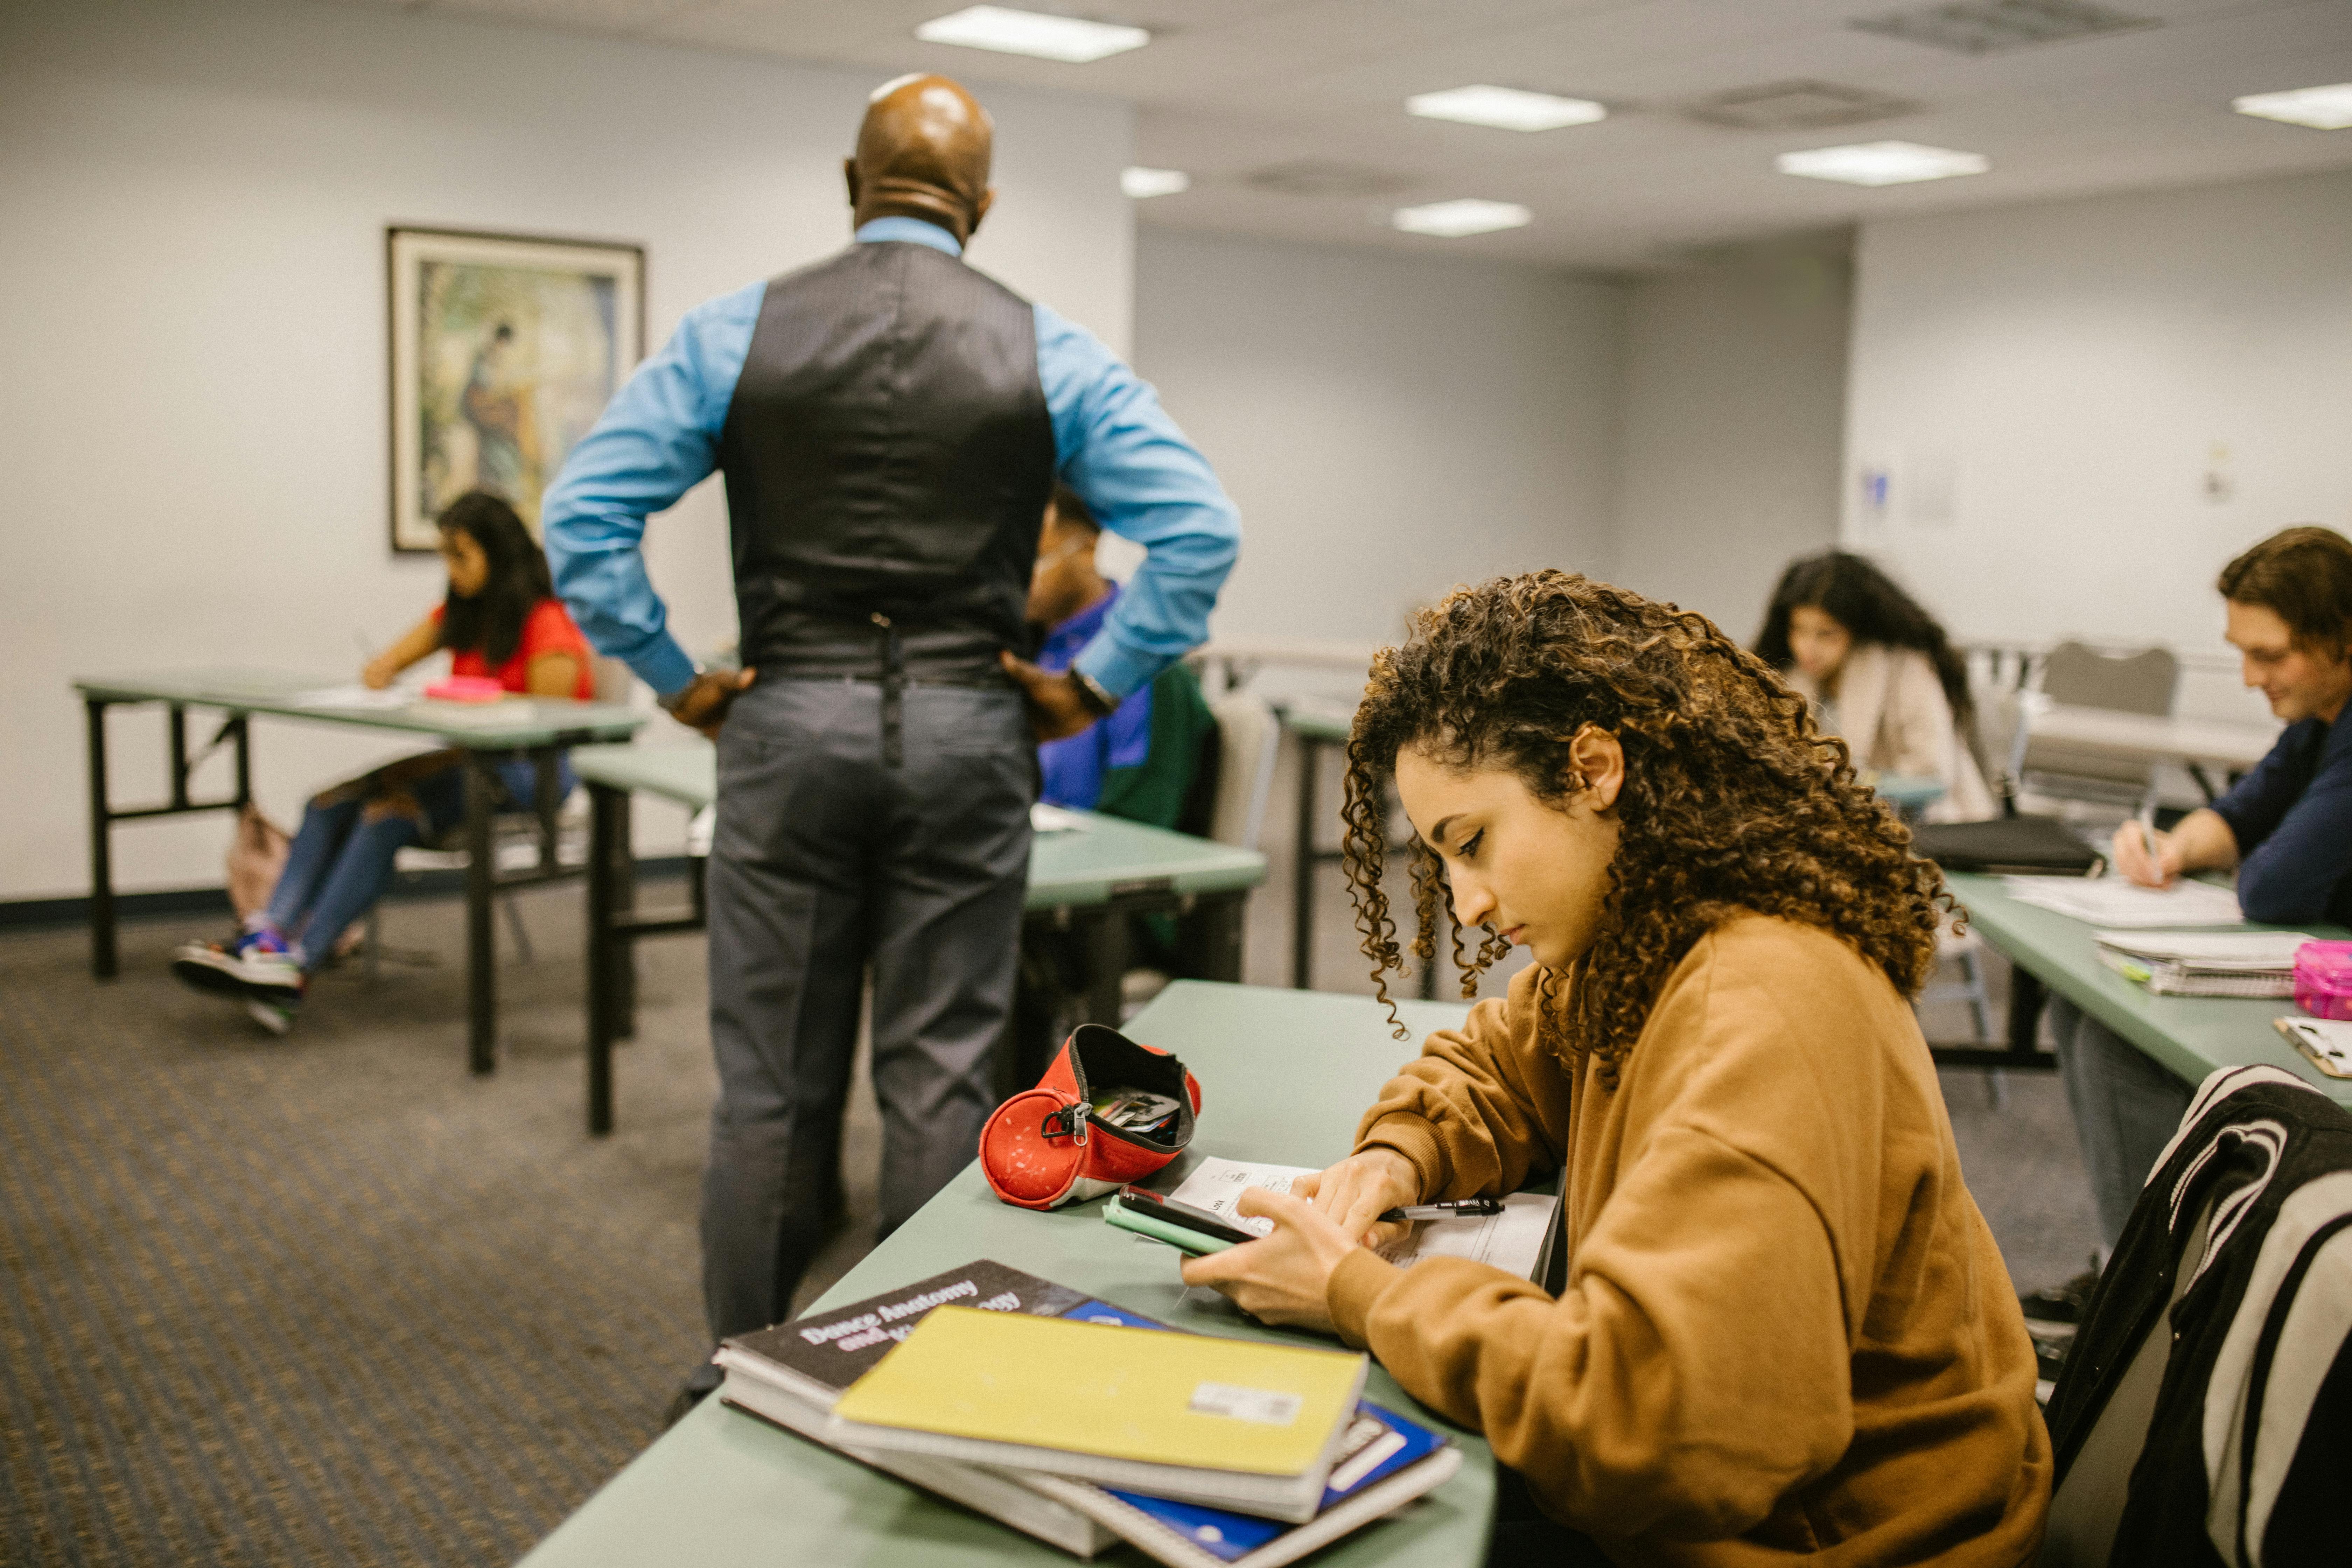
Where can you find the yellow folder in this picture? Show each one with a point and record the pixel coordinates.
(1142, 1394)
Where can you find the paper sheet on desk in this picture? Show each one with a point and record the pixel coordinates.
(1044, 818)
(1512, 1241)
(355, 696)
(2120, 903)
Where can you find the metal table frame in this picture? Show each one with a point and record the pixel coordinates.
(483, 878)
(1213, 937)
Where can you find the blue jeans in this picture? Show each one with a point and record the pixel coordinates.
(339, 864)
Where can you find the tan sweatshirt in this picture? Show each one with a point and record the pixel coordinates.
(1787, 1333)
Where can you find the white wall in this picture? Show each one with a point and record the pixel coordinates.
(2050, 387)
(1734, 409)
(191, 415)
(1388, 425)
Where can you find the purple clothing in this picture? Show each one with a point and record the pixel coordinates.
(1071, 770)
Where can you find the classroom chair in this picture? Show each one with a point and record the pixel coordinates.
(2141, 680)
(1248, 736)
(515, 847)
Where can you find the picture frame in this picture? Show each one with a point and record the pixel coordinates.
(504, 350)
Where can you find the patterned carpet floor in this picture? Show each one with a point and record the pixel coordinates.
(328, 1299)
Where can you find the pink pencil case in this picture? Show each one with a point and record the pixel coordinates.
(465, 688)
(2323, 979)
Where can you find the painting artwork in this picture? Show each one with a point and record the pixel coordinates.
(505, 350)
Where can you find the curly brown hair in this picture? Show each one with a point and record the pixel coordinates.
(1734, 800)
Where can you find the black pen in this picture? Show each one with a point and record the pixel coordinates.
(1460, 1208)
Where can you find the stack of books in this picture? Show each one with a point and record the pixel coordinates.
(1085, 1425)
(2205, 964)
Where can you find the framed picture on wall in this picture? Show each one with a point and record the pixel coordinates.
(505, 349)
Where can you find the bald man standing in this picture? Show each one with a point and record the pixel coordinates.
(891, 424)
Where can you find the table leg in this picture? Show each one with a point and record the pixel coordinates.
(1213, 937)
(481, 956)
(1104, 939)
(604, 804)
(624, 901)
(2026, 995)
(1302, 876)
(101, 865)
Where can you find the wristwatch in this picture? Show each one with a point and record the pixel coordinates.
(670, 704)
(1097, 701)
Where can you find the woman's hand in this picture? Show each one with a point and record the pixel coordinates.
(379, 671)
(1356, 1191)
(1285, 1277)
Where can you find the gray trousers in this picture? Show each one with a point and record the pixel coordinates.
(828, 860)
(2125, 1107)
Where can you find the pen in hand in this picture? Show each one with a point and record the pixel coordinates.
(2146, 823)
(1459, 1208)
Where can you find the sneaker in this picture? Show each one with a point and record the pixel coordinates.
(257, 963)
(2055, 1313)
(276, 1012)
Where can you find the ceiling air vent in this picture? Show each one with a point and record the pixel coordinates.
(1798, 105)
(1317, 177)
(1990, 26)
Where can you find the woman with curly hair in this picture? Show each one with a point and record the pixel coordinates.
(1883, 673)
(1786, 1329)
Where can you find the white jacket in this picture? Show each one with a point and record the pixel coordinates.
(1891, 710)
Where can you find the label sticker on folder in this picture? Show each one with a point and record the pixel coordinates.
(1264, 1406)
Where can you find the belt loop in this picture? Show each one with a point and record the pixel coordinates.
(894, 691)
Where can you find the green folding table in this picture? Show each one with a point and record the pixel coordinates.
(1283, 1077)
(538, 727)
(2187, 1036)
(1089, 877)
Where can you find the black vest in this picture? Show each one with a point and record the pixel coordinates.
(889, 457)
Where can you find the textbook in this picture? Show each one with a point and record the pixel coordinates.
(1384, 1461)
(1237, 1424)
(2204, 963)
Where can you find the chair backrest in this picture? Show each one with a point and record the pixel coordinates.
(2089, 1503)
(2084, 676)
(2080, 676)
(1247, 733)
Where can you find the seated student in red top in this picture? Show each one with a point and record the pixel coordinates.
(501, 619)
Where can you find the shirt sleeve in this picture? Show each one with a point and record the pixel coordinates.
(1145, 481)
(2294, 846)
(657, 439)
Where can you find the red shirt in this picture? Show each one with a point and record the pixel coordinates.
(547, 630)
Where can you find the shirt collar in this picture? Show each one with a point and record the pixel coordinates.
(913, 230)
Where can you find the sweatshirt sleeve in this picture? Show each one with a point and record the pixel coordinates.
(1468, 1112)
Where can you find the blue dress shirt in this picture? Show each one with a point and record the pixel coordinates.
(1071, 770)
(1113, 443)
(2292, 817)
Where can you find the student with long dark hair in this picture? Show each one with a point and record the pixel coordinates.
(1786, 1332)
(500, 619)
(1881, 674)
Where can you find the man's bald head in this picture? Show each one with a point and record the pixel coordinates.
(923, 151)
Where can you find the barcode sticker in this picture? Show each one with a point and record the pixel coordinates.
(1263, 1406)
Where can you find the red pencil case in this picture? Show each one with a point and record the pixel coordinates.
(1048, 1146)
(2323, 979)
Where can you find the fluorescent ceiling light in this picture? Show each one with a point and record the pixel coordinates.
(1143, 183)
(1454, 219)
(1881, 163)
(2321, 108)
(1504, 108)
(1011, 32)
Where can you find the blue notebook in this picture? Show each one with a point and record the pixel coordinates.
(1380, 1443)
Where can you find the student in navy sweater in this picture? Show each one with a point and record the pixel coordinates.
(2285, 828)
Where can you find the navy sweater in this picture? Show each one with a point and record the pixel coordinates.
(2293, 819)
